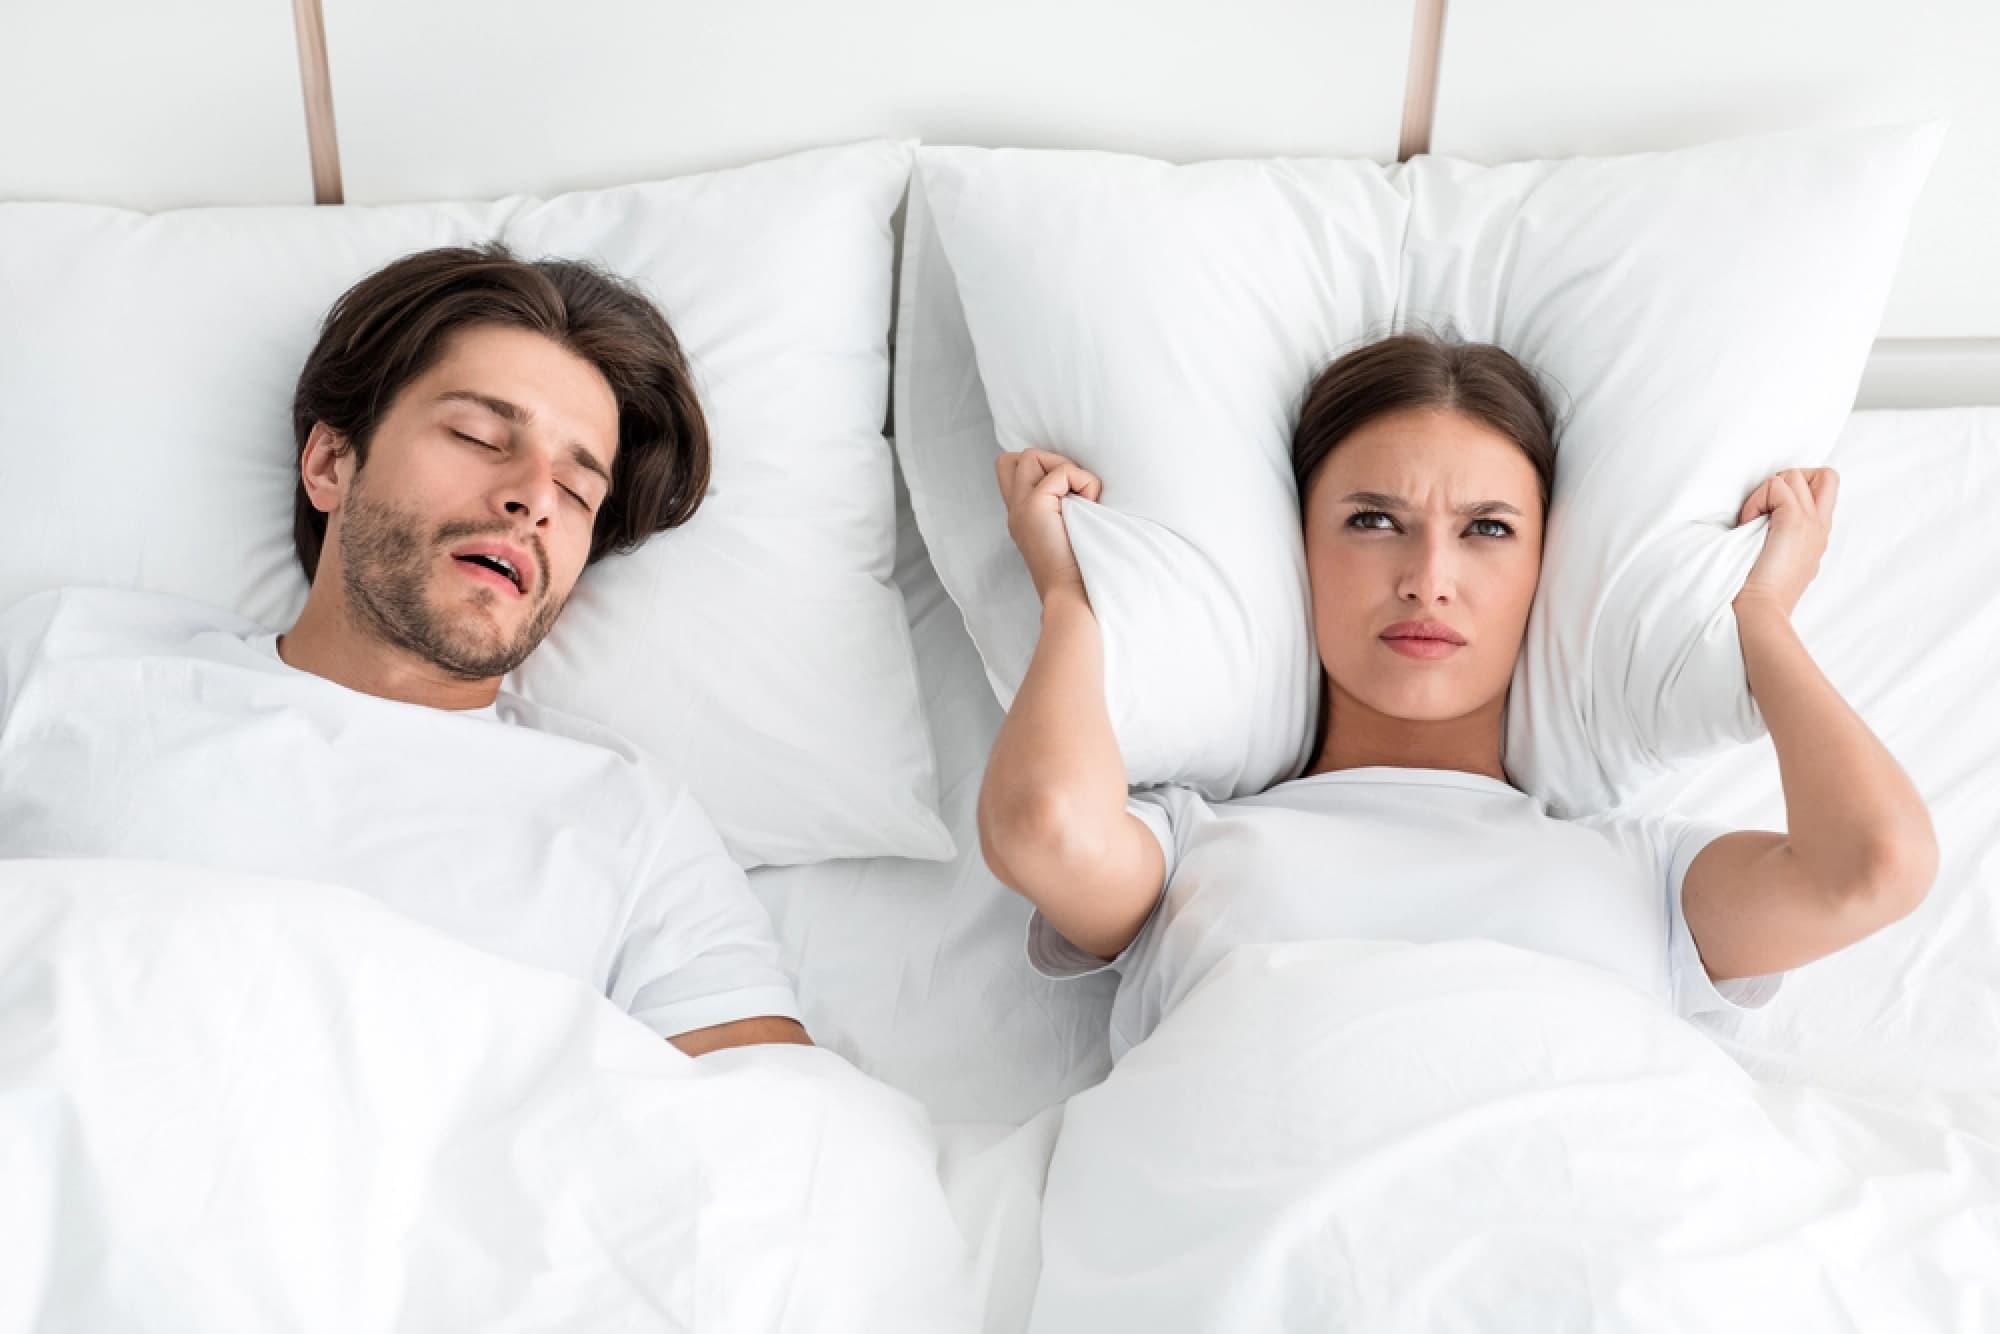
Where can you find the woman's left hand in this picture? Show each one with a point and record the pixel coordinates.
(1800, 502)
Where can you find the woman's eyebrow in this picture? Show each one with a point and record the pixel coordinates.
(1477, 509)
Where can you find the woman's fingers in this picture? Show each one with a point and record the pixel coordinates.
(1028, 477)
(1028, 472)
(1812, 490)
(1815, 488)
(1758, 502)
(1003, 473)
(1782, 491)
(1082, 481)
(1068, 479)
(1055, 484)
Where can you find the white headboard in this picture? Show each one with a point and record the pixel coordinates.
(154, 106)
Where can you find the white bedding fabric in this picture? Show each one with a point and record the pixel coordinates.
(1904, 621)
(1408, 1138)
(915, 972)
(230, 1104)
(1159, 324)
(757, 650)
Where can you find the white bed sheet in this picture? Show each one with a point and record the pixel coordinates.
(1905, 621)
(232, 1102)
(914, 971)
(1379, 1136)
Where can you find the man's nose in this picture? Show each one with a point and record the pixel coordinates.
(527, 492)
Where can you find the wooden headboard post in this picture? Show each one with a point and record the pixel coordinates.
(317, 85)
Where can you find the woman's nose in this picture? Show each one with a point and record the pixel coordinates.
(1430, 579)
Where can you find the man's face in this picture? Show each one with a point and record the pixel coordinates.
(461, 539)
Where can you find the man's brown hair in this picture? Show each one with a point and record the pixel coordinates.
(395, 324)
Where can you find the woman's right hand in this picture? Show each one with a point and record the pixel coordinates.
(1033, 483)
(1052, 819)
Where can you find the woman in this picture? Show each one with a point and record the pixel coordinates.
(1424, 470)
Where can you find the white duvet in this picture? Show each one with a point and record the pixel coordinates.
(232, 1104)
(1382, 1137)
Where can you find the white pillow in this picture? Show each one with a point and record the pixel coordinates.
(146, 370)
(1704, 314)
(1902, 621)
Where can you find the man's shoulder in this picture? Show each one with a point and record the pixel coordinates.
(639, 784)
(519, 711)
(546, 721)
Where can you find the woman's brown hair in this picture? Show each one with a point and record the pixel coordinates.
(1424, 370)
(395, 324)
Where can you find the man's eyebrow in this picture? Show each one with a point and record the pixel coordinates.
(499, 407)
(1477, 509)
(520, 416)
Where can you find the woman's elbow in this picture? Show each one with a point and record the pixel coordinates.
(1895, 879)
(1029, 827)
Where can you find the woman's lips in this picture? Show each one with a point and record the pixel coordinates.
(1424, 648)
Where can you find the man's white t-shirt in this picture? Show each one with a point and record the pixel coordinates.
(139, 726)
(1416, 855)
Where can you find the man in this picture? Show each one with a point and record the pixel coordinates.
(473, 430)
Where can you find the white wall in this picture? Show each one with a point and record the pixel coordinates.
(483, 97)
(151, 104)
(161, 103)
(1542, 78)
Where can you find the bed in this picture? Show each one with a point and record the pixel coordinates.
(916, 970)
(912, 971)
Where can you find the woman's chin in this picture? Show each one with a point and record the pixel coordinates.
(1421, 701)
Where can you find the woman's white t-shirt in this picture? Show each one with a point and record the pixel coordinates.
(1416, 855)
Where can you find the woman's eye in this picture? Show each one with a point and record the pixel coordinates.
(1505, 531)
(1363, 520)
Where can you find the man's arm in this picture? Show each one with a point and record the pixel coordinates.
(742, 1033)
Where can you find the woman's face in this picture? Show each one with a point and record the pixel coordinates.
(1428, 516)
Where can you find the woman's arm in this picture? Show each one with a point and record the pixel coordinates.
(1860, 852)
(1052, 819)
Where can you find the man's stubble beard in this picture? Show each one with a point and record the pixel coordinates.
(385, 565)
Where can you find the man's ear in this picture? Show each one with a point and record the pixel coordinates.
(324, 467)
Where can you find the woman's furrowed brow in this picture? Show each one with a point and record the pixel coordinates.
(1381, 501)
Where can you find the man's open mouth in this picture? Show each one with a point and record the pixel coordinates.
(500, 565)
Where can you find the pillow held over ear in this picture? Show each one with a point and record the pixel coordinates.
(1702, 317)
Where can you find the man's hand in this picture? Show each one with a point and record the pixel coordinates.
(742, 1033)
